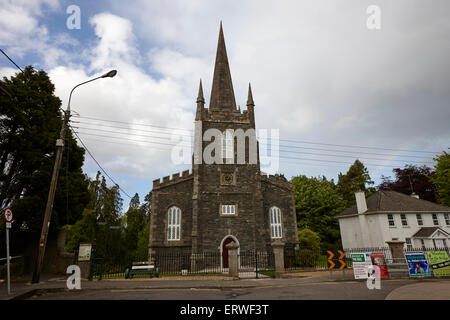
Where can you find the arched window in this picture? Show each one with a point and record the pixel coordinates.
(275, 223)
(173, 223)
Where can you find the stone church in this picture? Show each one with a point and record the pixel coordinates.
(215, 204)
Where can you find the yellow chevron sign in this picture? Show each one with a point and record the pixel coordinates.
(336, 259)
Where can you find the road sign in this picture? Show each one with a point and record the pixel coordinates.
(361, 261)
(336, 259)
(8, 215)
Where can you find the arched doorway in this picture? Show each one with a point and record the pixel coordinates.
(224, 250)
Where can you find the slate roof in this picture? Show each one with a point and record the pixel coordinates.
(395, 201)
(426, 232)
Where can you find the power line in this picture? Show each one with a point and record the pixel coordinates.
(168, 149)
(92, 156)
(287, 151)
(287, 140)
(295, 158)
(287, 146)
(11, 60)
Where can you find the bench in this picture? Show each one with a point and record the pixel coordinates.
(142, 268)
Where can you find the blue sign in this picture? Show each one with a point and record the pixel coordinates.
(417, 264)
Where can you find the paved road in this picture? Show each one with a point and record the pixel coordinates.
(349, 290)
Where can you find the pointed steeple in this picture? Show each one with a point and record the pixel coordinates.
(222, 94)
(200, 93)
(250, 105)
(250, 96)
(200, 102)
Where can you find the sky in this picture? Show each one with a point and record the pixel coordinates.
(319, 74)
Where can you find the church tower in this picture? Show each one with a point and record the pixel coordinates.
(225, 198)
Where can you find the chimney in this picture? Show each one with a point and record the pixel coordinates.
(361, 204)
(414, 195)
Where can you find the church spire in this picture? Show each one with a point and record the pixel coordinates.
(250, 105)
(222, 94)
(200, 102)
(250, 97)
(200, 93)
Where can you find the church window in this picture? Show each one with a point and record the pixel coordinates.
(228, 209)
(275, 223)
(173, 224)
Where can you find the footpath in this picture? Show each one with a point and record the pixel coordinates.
(23, 288)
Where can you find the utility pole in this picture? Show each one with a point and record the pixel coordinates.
(51, 197)
(51, 193)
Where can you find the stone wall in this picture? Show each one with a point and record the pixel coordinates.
(177, 192)
(279, 193)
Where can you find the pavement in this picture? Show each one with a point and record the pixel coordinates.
(414, 288)
(436, 290)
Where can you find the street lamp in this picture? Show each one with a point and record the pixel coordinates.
(51, 193)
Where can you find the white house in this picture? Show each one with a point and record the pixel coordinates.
(390, 215)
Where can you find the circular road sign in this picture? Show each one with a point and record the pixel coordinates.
(8, 215)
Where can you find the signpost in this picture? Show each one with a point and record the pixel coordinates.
(417, 264)
(439, 263)
(8, 215)
(336, 261)
(361, 262)
(84, 252)
(378, 260)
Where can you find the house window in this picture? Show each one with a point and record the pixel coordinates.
(174, 223)
(391, 220)
(447, 219)
(435, 219)
(227, 145)
(275, 223)
(404, 220)
(419, 219)
(228, 209)
(408, 244)
(423, 244)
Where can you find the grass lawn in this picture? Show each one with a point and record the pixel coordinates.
(269, 273)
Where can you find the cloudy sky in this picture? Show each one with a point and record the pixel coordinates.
(318, 74)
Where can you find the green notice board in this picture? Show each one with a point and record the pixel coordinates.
(440, 263)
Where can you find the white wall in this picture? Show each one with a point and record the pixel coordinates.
(379, 230)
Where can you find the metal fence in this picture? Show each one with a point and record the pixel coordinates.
(251, 264)
(186, 263)
(304, 259)
(256, 264)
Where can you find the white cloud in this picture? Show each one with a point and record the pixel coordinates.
(317, 73)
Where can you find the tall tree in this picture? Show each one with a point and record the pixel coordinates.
(356, 178)
(136, 220)
(105, 201)
(441, 178)
(317, 202)
(411, 179)
(30, 122)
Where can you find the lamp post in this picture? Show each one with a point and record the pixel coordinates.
(51, 193)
